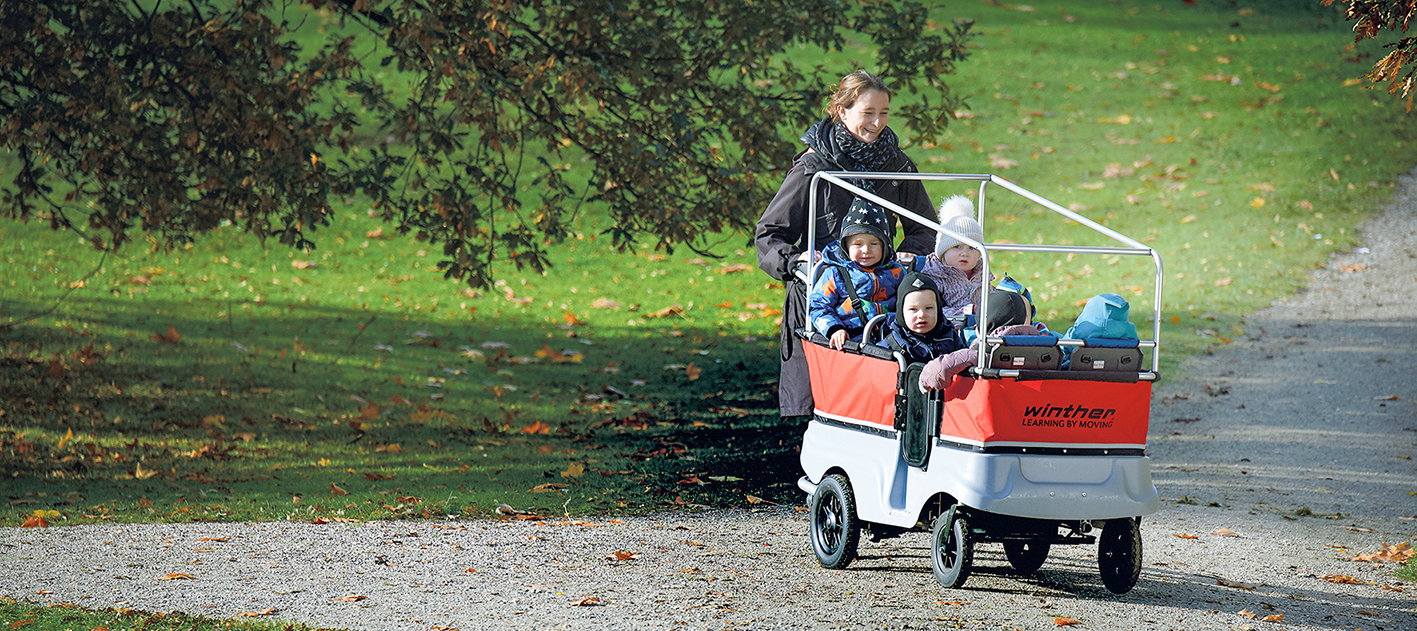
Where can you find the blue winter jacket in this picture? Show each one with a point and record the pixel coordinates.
(830, 301)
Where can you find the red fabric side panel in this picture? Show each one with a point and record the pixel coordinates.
(1059, 412)
(852, 386)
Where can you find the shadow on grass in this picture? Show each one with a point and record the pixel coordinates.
(283, 411)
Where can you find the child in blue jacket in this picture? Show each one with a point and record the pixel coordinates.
(859, 275)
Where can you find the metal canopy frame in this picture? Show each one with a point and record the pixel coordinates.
(1131, 247)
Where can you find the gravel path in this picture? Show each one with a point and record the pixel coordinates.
(1290, 438)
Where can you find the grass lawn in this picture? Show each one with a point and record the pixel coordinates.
(232, 382)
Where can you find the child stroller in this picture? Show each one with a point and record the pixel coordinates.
(1020, 450)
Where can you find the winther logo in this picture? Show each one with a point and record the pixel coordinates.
(1072, 416)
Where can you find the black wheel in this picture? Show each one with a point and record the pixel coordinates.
(951, 550)
(835, 530)
(1026, 556)
(1119, 554)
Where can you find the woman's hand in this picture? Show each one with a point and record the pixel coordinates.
(814, 255)
(838, 339)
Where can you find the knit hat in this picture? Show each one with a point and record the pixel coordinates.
(957, 215)
(1005, 308)
(868, 217)
(912, 283)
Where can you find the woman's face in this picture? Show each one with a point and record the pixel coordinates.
(920, 312)
(867, 117)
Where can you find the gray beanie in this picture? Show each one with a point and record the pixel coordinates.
(957, 215)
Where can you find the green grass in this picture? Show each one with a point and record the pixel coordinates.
(33, 617)
(261, 410)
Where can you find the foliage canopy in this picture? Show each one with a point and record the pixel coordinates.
(171, 118)
(1370, 17)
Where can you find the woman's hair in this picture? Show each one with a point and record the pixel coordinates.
(850, 89)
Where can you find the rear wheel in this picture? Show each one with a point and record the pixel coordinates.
(1119, 554)
(951, 550)
(1026, 556)
(835, 529)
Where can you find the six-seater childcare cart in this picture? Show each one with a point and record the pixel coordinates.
(1016, 451)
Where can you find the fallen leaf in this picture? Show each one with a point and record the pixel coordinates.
(302, 264)
(171, 337)
(549, 487)
(537, 428)
(255, 614)
(604, 303)
(1341, 578)
(177, 576)
(35, 521)
(1279, 617)
(1257, 202)
(1388, 554)
(1226, 532)
(573, 470)
(20, 623)
(1235, 584)
(1389, 397)
(142, 474)
(1246, 614)
(621, 555)
(588, 601)
(736, 267)
(349, 599)
(571, 319)
(215, 539)
(666, 312)
(1183, 535)
(692, 371)
(470, 570)
(1064, 621)
(335, 490)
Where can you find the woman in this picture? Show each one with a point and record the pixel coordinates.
(853, 137)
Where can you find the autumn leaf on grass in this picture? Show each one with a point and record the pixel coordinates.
(369, 412)
(140, 473)
(736, 267)
(349, 599)
(335, 490)
(573, 470)
(377, 233)
(177, 576)
(604, 303)
(1000, 162)
(692, 371)
(1064, 621)
(171, 337)
(674, 309)
(571, 319)
(549, 487)
(536, 428)
(37, 520)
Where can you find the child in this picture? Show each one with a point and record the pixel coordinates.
(1009, 314)
(918, 331)
(859, 275)
(954, 266)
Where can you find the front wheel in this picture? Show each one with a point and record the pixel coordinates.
(1026, 556)
(951, 549)
(835, 530)
(1119, 554)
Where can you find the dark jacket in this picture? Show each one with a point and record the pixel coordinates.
(782, 230)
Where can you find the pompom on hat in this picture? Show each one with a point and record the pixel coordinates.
(957, 215)
(868, 217)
